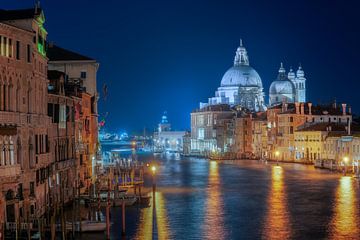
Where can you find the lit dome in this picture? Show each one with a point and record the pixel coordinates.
(282, 85)
(241, 74)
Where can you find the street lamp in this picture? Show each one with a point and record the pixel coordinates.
(153, 170)
(345, 160)
(277, 154)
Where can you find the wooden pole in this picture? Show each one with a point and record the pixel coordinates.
(108, 212)
(28, 226)
(79, 212)
(123, 230)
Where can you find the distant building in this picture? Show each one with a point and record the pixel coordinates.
(208, 126)
(166, 139)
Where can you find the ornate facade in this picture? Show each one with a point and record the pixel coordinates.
(24, 124)
(240, 85)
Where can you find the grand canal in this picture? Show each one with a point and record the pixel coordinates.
(201, 199)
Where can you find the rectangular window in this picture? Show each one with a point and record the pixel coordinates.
(17, 50)
(6, 50)
(28, 53)
(1, 46)
(201, 133)
(56, 113)
(82, 74)
(51, 110)
(62, 116)
(67, 114)
(32, 189)
(37, 144)
(10, 48)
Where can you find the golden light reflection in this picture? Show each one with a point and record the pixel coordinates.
(346, 223)
(154, 218)
(214, 220)
(277, 225)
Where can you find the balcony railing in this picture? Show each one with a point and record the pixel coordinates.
(10, 171)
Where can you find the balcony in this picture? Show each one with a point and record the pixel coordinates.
(10, 171)
(11, 118)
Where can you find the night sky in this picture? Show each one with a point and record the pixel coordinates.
(160, 56)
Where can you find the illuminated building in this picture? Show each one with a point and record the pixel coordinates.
(82, 70)
(338, 145)
(240, 85)
(206, 123)
(286, 118)
(24, 124)
(309, 141)
(62, 109)
(166, 139)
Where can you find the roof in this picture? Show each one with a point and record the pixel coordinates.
(56, 53)
(29, 13)
(323, 127)
(315, 109)
(214, 108)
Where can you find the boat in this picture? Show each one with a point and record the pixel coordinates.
(129, 201)
(117, 202)
(144, 200)
(86, 225)
(89, 226)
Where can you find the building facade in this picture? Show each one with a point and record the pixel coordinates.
(81, 70)
(205, 125)
(167, 140)
(24, 124)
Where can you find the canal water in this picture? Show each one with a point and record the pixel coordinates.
(201, 199)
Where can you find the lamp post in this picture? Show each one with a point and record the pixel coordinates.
(153, 170)
(277, 154)
(345, 160)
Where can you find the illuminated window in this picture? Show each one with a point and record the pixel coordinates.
(62, 116)
(201, 133)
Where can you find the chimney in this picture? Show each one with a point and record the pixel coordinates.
(286, 107)
(349, 127)
(349, 110)
(297, 107)
(310, 105)
(343, 109)
(302, 109)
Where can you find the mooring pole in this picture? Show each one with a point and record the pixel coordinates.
(123, 230)
(108, 212)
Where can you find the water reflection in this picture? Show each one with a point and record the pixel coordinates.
(154, 221)
(214, 220)
(277, 224)
(346, 223)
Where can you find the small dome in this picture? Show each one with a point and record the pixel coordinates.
(282, 85)
(291, 74)
(242, 76)
(300, 72)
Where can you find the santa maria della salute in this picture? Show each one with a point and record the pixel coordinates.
(242, 86)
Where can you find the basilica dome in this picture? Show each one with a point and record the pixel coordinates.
(282, 87)
(241, 76)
